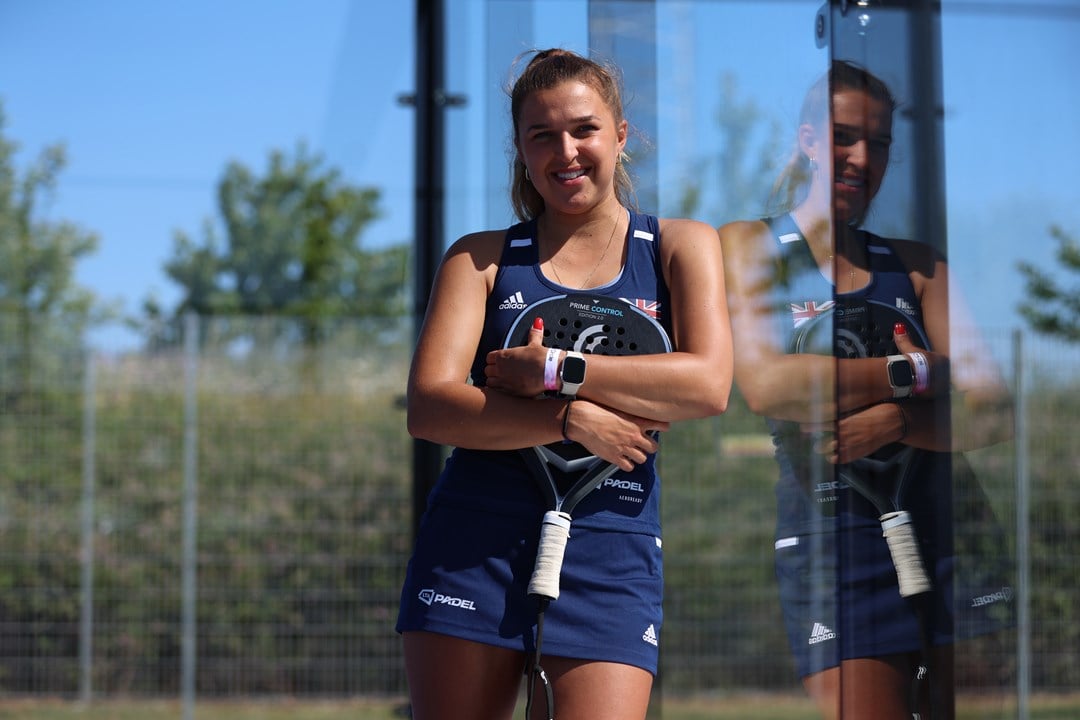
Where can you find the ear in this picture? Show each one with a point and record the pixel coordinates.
(621, 133)
(809, 141)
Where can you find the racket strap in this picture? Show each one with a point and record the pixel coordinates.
(535, 671)
(920, 680)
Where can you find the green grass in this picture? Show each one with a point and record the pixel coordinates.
(749, 706)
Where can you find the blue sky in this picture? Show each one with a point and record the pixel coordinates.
(153, 99)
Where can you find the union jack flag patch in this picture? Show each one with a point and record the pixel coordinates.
(649, 307)
(803, 312)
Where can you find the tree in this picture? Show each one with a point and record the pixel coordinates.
(40, 303)
(290, 248)
(1051, 308)
(745, 165)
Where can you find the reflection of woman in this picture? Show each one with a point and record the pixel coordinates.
(467, 621)
(844, 613)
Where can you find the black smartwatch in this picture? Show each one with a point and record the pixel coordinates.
(901, 377)
(572, 374)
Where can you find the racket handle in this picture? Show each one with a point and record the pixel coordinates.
(900, 535)
(554, 532)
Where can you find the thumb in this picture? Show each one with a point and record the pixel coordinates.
(536, 332)
(903, 341)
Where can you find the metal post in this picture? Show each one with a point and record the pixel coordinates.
(430, 101)
(636, 56)
(86, 615)
(189, 558)
(1023, 533)
(927, 113)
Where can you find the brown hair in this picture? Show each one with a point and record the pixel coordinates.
(790, 186)
(547, 69)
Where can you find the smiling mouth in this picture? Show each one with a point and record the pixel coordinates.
(851, 182)
(570, 174)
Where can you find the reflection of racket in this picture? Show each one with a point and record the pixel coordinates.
(567, 472)
(864, 328)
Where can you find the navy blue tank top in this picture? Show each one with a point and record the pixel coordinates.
(809, 497)
(498, 481)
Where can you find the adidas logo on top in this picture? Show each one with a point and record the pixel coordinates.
(904, 306)
(820, 633)
(514, 302)
(649, 635)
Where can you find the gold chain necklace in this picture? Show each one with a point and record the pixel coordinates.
(851, 268)
(585, 282)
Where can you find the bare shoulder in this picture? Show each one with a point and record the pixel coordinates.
(685, 233)
(918, 257)
(481, 249)
(485, 243)
(742, 231)
(683, 238)
(685, 227)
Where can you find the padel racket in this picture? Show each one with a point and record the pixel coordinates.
(861, 329)
(567, 472)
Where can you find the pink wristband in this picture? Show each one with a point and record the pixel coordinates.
(551, 369)
(922, 372)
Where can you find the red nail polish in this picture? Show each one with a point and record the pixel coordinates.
(900, 329)
(538, 323)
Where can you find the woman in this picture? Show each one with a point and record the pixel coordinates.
(465, 655)
(858, 642)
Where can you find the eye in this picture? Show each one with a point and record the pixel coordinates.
(844, 138)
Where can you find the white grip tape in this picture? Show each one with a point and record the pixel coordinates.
(900, 535)
(554, 531)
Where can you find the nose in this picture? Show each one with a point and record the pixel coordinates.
(567, 149)
(858, 153)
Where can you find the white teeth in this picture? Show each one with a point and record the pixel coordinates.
(851, 182)
(571, 174)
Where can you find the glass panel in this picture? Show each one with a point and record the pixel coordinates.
(152, 103)
(303, 530)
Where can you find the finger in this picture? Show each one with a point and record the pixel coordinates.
(491, 366)
(900, 336)
(536, 332)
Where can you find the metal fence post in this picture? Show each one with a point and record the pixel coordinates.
(189, 559)
(1023, 533)
(86, 614)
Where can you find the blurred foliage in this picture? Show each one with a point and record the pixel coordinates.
(1051, 307)
(41, 305)
(304, 529)
(287, 244)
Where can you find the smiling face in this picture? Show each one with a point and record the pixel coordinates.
(862, 135)
(570, 142)
(859, 147)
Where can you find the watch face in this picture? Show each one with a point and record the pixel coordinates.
(573, 370)
(900, 373)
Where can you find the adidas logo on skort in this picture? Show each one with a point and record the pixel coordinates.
(514, 302)
(820, 633)
(649, 635)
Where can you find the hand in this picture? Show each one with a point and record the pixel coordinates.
(857, 435)
(937, 364)
(611, 435)
(520, 370)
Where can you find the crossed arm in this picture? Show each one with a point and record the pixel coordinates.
(616, 407)
(852, 396)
